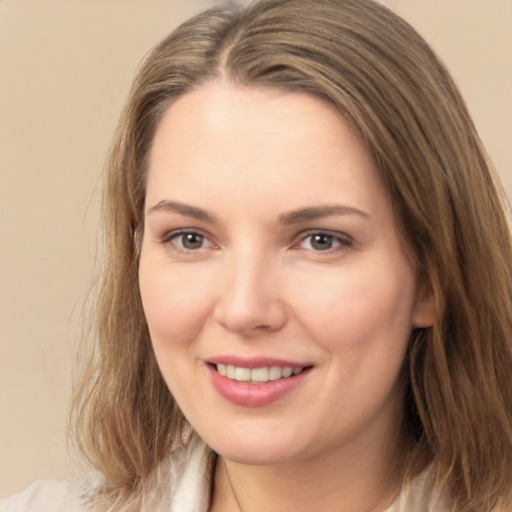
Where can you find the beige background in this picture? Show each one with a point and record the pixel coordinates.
(65, 66)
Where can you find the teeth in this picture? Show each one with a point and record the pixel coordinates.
(230, 372)
(287, 372)
(257, 374)
(243, 374)
(274, 373)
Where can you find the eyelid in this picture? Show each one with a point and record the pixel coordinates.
(343, 239)
(168, 237)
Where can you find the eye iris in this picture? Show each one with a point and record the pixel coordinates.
(321, 242)
(192, 241)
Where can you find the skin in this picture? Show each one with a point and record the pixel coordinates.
(256, 284)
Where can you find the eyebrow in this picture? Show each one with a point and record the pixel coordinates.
(319, 212)
(287, 218)
(182, 209)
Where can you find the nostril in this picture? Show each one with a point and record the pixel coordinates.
(243, 316)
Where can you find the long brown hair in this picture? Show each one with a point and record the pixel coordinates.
(386, 80)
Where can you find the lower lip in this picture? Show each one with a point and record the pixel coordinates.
(254, 395)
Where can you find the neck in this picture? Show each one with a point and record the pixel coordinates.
(350, 479)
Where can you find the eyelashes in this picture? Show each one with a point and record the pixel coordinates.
(317, 241)
(321, 241)
(187, 240)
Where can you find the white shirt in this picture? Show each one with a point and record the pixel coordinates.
(189, 490)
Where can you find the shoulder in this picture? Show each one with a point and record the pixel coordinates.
(50, 496)
(182, 483)
(190, 472)
(418, 496)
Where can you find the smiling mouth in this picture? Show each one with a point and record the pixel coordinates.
(257, 375)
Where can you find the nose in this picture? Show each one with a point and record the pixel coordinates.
(250, 301)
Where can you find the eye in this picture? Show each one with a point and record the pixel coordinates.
(188, 240)
(323, 242)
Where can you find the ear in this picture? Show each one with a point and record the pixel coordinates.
(425, 311)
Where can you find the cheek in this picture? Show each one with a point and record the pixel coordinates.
(358, 308)
(173, 304)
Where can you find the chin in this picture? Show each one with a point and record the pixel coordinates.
(254, 448)
(259, 455)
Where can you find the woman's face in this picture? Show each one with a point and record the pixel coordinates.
(270, 249)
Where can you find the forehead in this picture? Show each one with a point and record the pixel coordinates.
(256, 136)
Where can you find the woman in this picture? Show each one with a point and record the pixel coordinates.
(306, 297)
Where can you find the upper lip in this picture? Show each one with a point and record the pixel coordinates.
(256, 362)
